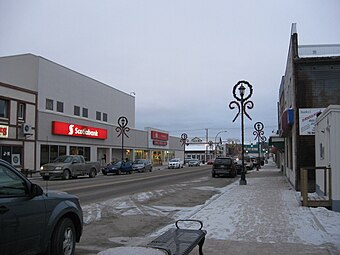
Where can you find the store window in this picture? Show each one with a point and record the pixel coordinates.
(49, 104)
(12, 154)
(79, 150)
(60, 106)
(48, 153)
(76, 110)
(4, 108)
(21, 111)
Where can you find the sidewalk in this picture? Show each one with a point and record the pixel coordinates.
(263, 217)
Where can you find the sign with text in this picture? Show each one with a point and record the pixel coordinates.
(68, 129)
(3, 131)
(159, 136)
(307, 119)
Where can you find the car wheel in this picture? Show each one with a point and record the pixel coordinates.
(213, 174)
(104, 173)
(150, 169)
(92, 173)
(118, 172)
(66, 175)
(46, 178)
(64, 238)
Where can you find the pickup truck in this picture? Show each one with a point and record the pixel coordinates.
(69, 166)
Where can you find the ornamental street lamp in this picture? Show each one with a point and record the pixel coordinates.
(242, 103)
(184, 139)
(259, 135)
(223, 131)
(122, 130)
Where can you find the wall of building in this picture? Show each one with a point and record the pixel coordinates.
(327, 151)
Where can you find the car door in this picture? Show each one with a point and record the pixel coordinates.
(22, 218)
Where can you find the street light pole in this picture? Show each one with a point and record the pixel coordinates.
(216, 142)
(122, 129)
(242, 103)
(259, 135)
(183, 140)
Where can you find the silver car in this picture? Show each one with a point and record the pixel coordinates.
(142, 165)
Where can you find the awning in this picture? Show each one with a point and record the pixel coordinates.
(277, 142)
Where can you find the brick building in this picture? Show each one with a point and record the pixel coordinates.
(311, 83)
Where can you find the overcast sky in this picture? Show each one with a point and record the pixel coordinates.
(180, 57)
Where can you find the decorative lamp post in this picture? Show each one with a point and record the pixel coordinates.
(184, 138)
(122, 130)
(259, 135)
(216, 142)
(242, 103)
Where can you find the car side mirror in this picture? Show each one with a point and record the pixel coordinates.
(36, 190)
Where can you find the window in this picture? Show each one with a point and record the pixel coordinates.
(105, 117)
(76, 110)
(60, 106)
(11, 184)
(49, 104)
(21, 111)
(98, 116)
(48, 153)
(84, 151)
(85, 112)
(4, 108)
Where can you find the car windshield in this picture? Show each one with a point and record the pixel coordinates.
(174, 160)
(63, 159)
(225, 161)
(138, 162)
(118, 164)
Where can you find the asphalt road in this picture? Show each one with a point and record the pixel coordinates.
(116, 225)
(103, 187)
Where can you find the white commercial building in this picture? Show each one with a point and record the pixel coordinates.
(48, 110)
(327, 150)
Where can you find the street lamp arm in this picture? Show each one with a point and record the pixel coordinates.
(232, 107)
(249, 105)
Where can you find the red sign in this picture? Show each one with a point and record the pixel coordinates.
(62, 128)
(3, 131)
(159, 136)
(159, 143)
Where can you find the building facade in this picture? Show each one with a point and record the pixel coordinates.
(310, 84)
(69, 113)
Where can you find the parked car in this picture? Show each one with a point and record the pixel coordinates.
(118, 168)
(142, 165)
(70, 166)
(210, 162)
(224, 166)
(194, 162)
(175, 163)
(35, 222)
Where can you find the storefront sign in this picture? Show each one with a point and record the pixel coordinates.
(3, 131)
(62, 128)
(159, 136)
(159, 143)
(307, 119)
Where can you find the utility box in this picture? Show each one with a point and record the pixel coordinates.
(327, 151)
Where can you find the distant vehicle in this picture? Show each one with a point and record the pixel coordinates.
(194, 162)
(175, 163)
(224, 166)
(69, 166)
(34, 222)
(248, 163)
(210, 162)
(118, 168)
(142, 165)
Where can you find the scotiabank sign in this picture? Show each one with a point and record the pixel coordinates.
(63, 128)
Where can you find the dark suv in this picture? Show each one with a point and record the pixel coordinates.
(32, 221)
(223, 166)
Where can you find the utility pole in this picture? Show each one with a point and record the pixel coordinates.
(206, 145)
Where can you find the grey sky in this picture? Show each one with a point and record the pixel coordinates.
(180, 57)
